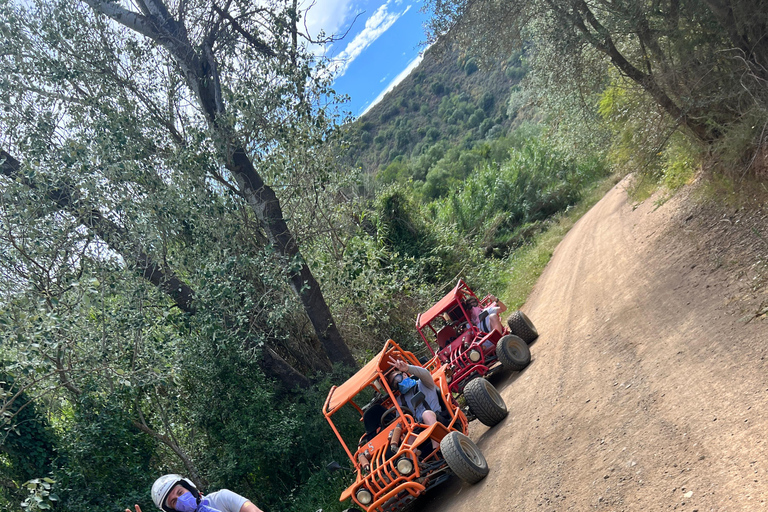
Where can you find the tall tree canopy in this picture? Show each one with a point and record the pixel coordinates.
(218, 96)
(704, 65)
(146, 255)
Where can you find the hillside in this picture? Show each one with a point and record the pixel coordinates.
(448, 98)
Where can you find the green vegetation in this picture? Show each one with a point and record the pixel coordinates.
(190, 260)
(695, 69)
(470, 103)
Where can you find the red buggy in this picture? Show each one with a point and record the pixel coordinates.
(467, 351)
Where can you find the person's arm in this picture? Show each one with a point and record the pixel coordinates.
(417, 371)
(423, 374)
(496, 302)
(249, 507)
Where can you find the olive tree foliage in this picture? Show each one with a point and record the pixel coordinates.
(699, 66)
(109, 121)
(225, 91)
(217, 53)
(143, 248)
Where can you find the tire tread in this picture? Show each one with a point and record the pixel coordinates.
(525, 330)
(459, 462)
(507, 358)
(482, 404)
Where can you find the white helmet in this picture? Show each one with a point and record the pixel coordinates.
(163, 486)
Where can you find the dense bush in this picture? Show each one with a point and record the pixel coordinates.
(496, 201)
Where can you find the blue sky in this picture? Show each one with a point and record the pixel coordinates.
(382, 46)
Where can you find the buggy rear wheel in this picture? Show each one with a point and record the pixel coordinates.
(485, 402)
(464, 457)
(513, 352)
(520, 325)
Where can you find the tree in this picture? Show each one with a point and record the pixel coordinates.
(106, 75)
(678, 52)
(116, 237)
(203, 71)
(139, 237)
(86, 338)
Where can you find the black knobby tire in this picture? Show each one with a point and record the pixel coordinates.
(513, 352)
(485, 402)
(464, 457)
(521, 326)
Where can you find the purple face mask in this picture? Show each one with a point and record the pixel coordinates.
(186, 503)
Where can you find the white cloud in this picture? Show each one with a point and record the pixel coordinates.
(328, 16)
(399, 78)
(379, 22)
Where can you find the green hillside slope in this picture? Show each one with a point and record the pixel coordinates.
(446, 99)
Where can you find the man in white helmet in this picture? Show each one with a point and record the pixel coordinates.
(175, 493)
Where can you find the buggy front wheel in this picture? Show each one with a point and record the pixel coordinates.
(464, 457)
(485, 402)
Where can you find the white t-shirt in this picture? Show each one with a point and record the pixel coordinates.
(483, 324)
(226, 500)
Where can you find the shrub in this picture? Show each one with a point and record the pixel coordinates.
(437, 88)
(470, 66)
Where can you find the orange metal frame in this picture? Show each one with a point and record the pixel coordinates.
(384, 481)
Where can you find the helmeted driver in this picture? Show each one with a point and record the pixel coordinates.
(175, 493)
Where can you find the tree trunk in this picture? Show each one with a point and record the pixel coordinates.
(583, 18)
(199, 68)
(265, 204)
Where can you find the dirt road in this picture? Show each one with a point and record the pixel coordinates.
(648, 388)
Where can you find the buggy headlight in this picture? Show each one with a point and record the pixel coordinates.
(364, 496)
(404, 466)
(474, 355)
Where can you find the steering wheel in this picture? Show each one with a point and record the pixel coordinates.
(377, 398)
(458, 325)
(392, 411)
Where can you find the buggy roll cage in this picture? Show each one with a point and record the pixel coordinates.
(374, 374)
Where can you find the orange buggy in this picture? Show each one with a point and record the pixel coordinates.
(389, 480)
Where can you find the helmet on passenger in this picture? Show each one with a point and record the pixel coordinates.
(163, 485)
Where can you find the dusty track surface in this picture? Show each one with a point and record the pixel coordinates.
(648, 388)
